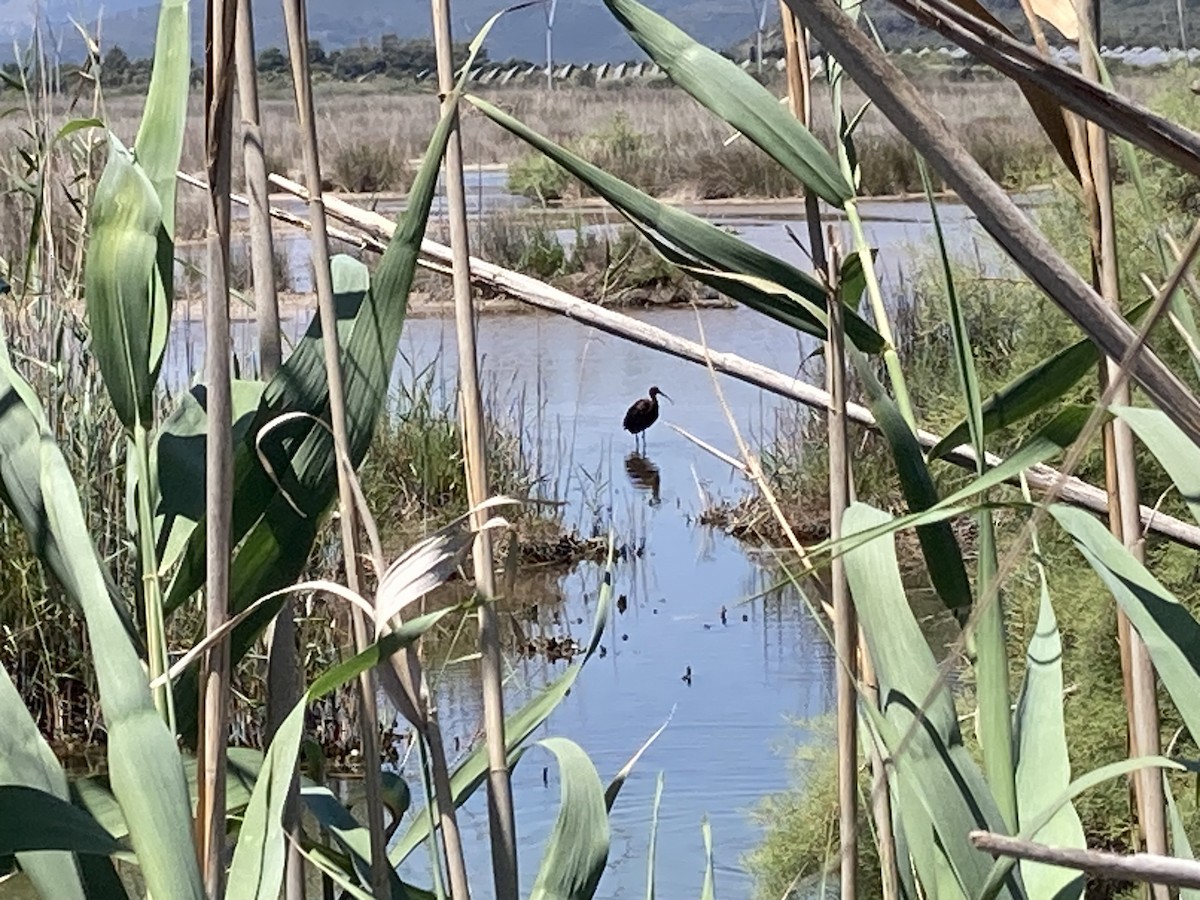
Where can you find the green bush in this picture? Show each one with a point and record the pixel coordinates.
(537, 177)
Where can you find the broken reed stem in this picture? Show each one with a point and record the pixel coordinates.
(1141, 698)
(529, 290)
(1140, 867)
(295, 15)
(501, 818)
(283, 674)
(214, 673)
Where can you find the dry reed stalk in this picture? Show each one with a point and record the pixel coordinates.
(799, 80)
(529, 290)
(1147, 868)
(214, 675)
(899, 100)
(501, 818)
(283, 675)
(296, 19)
(845, 628)
(1141, 697)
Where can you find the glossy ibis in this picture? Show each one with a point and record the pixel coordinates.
(643, 413)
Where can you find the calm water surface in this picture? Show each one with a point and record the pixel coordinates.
(755, 678)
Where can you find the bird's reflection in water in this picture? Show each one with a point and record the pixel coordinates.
(644, 475)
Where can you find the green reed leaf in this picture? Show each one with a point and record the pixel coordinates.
(144, 763)
(577, 849)
(700, 244)
(1043, 763)
(943, 556)
(1170, 632)
(26, 759)
(941, 793)
(126, 305)
(732, 94)
(258, 859)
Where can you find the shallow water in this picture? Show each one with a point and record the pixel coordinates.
(756, 677)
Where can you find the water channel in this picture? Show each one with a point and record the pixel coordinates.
(756, 677)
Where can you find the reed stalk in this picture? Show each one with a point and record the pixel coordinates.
(845, 627)
(501, 818)
(799, 81)
(283, 674)
(214, 678)
(296, 20)
(1141, 696)
(913, 116)
(540, 295)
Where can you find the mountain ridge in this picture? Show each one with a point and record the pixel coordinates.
(584, 30)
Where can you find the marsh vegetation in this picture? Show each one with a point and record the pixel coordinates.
(356, 539)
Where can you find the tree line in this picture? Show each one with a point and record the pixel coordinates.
(392, 56)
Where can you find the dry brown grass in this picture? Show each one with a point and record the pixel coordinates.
(369, 139)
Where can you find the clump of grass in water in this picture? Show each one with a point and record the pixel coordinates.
(413, 475)
(612, 269)
(369, 167)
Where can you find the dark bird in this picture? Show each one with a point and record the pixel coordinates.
(643, 413)
(687, 676)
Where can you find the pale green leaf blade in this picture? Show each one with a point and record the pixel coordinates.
(733, 95)
(258, 859)
(1040, 386)
(1170, 633)
(691, 237)
(989, 644)
(1079, 786)
(943, 556)
(26, 759)
(122, 290)
(159, 143)
(1043, 765)
(652, 850)
(1048, 441)
(918, 721)
(144, 762)
(708, 890)
(1181, 848)
(1171, 447)
(577, 849)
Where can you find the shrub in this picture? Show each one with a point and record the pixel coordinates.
(369, 168)
(537, 177)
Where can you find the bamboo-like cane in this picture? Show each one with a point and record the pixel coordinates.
(540, 295)
(845, 627)
(1144, 867)
(1141, 697)
(283, 675)
(214, 673)
(296, 19)
(799, 80)
(501, 818)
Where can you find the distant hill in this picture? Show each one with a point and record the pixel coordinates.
(584, 29)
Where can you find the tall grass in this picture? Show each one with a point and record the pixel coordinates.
(950, 780)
